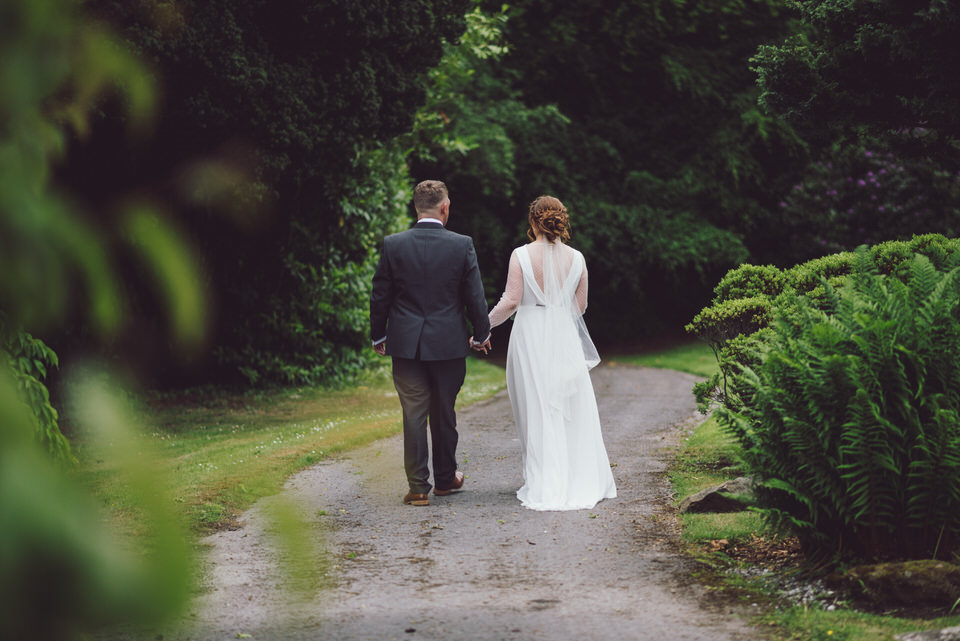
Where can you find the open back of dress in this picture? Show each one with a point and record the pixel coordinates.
(565, 464)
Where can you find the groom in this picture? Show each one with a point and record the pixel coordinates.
(426, 279)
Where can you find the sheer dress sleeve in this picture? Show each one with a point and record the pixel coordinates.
(512, 294)
(581, 293)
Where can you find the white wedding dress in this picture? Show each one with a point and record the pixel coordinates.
(565, 464)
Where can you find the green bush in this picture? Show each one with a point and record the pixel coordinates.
(312, 325)
(731, 318)
(746, 296)
(850, 422)
(864, 193)
(750, 280)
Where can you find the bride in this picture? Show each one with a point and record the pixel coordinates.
(565, 465)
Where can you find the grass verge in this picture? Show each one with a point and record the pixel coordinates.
(709, 457)
(219, 452)
(694, 357)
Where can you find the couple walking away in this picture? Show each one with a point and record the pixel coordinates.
(427, 285)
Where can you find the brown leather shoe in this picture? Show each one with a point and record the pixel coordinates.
(413, 498)
(457, 484)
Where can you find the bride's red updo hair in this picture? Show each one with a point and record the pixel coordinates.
(548, 217)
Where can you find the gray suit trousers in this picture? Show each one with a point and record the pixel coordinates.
(428, 391)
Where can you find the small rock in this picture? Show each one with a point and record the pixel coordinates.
(717, 499)
(906, 583)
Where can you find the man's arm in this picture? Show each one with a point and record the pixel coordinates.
(471, 289)
(381, 297)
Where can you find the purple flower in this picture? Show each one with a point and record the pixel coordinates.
(861, 182)
(868, 154)
(783, 203)
(873, 197)
(880, 208)
(870, 173)
(883, 171)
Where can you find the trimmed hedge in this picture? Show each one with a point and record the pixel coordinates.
(745, 297)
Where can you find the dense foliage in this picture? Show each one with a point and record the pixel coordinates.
(865, 195)
(316, 328)
(273, 144)
(285, 135)
(46, 245)
(470, 134)
(643, 120)
(867, 86)
(62, 574)
(738, 319)
(880, 65)
(850, 423)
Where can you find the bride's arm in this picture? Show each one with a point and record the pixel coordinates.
(581, 293)
(512, 294)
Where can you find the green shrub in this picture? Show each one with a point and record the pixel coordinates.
(850, 420)
(750, 280)
(807, 276)
(731, 318)
(746, 297)
(313, 324)
(863, 193)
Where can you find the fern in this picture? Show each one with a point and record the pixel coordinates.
(850, 416)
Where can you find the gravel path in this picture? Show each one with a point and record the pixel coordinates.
(476, 565)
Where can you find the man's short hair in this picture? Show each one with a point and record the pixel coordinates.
(428, 194)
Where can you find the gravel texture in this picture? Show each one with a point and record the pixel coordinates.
(476, 565)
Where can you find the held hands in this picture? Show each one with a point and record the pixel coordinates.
(484, 347)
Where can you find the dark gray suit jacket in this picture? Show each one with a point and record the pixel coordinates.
(426, 286)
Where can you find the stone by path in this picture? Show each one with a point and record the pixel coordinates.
(476, 565)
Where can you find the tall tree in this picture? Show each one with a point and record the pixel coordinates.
(871, 87)
(642, 118)
(872, 65)
(290, 108)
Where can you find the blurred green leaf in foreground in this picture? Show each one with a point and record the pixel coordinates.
(62, 574)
